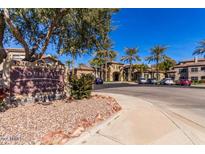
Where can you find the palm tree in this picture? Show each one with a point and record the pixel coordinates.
(141, 68)
(167, 64)
(131, 55)
(200, 49)
(157, 55)
(68, 63)
(73, 53)
(107, 55)
(97, 63)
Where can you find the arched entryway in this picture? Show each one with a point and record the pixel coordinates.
(116, 76)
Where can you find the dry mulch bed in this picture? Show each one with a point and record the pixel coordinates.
(55, 123)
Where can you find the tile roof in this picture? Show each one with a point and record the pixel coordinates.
(85, 67)
(190, 64)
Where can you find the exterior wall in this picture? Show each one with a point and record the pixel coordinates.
(198, 74)
(188, 73)
(180, 74)
(115, 69)
(16, 55)
(148, 75)
(171, 75)
(79, 72)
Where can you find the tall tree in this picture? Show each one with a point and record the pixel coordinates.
(141, 68)
(68, 64)
(157, 55)
(131, 56)
(200, 49)
(35, 29)
(90, 34)
(107, 55)
(97, 62)
(166, 64)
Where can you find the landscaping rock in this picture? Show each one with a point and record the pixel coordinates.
(77, 132)
(55, 123)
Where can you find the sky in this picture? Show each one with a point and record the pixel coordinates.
(178, 29)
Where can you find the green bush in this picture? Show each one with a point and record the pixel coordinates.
(82, 87)
(2, 106)
(198, 82)
(202, 81)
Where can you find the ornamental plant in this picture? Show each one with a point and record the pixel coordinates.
(81, 87)
(3, 105)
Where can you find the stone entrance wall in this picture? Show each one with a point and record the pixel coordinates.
(30, 82)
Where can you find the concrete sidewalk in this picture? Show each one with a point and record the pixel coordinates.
(139, 122)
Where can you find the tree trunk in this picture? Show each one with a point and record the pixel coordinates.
(101, 72)
(2, 30)
(95, 72)
(48, 36)
(105, 69)
(73, 69)
(129, 73)
(157, 67)
(16, 33)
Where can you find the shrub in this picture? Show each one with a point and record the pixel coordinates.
(3, 105)
(195, 82)
(202, 81)
(82, 87)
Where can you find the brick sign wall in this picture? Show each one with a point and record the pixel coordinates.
(32, 79)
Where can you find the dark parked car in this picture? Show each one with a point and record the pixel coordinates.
(98, 81)
(184, 82)
(152, 81)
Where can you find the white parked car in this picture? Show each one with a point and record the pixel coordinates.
(142, 81)
(167, 81)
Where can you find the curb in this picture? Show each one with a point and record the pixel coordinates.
(91, 131)
(107, 86)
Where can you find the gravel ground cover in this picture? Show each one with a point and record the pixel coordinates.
(55, 123)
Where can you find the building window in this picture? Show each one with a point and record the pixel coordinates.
(203, 69)
(183, 77)
(203, 78)
(194, 69)
(183, 70)
(194, 78)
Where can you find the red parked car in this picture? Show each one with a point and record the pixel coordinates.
(184, 82)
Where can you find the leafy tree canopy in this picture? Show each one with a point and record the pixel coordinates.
(71, 31)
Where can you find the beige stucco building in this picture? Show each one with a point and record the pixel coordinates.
(83, 69)
(12, 53)
(193, 69)
(117, 72)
